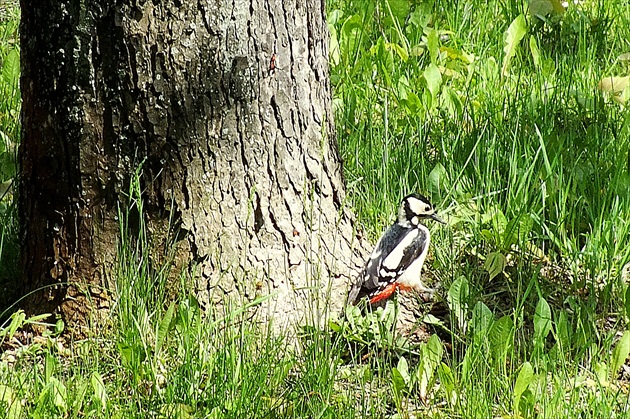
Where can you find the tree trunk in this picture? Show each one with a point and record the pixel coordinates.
(227, 105)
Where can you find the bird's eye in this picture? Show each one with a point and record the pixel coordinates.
(427, 208)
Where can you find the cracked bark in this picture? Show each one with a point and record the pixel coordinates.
(228, 105)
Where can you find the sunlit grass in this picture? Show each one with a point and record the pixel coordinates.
(528, 162)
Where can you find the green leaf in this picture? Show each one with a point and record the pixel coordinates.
(542, 321)
(403, 369)
(13, 405)
(79, 391)
(400, 377)
(435, 350)
(513, 37)
(334, 16)
(183, 411)
(541, 8)
(11, 69)
(399, 9)
(563, 331)
(500, 337)
(420, 16)
(438, 179)
(447, 381)
(334, 51)
(456, 298)
(482, 318)
(401, 51)
(523, 380)
(495, 264)
(533, 47)
(452, 102)
(58, 392)
(100, 392)
(601, 373)
(517, 230)
(432, 353)
(620, 353)
(349, 36)
(495, 216)
(433, 45)
(434, 81)
(164, 327)
(17, 321)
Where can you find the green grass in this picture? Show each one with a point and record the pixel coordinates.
(528, 160)
(9, 138)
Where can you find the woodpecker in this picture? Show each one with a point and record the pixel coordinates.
(397, 259)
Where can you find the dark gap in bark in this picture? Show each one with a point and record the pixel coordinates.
(259, 219)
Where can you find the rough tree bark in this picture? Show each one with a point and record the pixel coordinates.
(228, 106)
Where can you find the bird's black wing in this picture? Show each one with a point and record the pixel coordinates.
(375, 275)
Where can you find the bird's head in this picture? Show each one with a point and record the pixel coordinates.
(415, 208)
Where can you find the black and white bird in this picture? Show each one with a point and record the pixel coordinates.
(397, 259)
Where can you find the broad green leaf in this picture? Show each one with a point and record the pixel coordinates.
(620, 353)
(533, 47)
(456, 297)
(420, 16)
(500, 337)
(542, 320)
(601, 373)
(79, 391)
(515, 33)
(482, 318)
(523, 380)
(434, 81)
(431, 353)
(541, 8)
(400, 50)
(334, 51)
(58, 393)
(351, 24)
(433, 45)
(447, 381)
(399, 9)
(17, 321)
(334, 16)
(495, 264)
(627, 302)
(400, 377)
(563, 331)
(438, 179)
(183, 411)
(50, 366)
(13, 404)
(434, 351)
(452, 102)
(495, 216)
(11, 69)
(164, 327)
(349, 36)
(413, 103)
(517, 230)
(100, 392)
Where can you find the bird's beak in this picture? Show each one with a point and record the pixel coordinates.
(438, 219)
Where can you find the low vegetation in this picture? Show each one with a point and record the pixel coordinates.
(512, 117)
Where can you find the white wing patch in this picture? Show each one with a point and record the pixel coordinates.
(392, 261)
